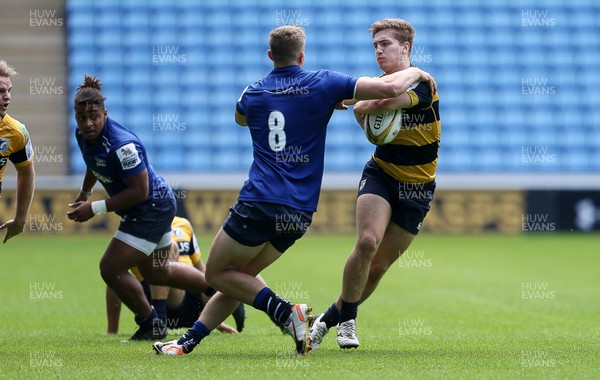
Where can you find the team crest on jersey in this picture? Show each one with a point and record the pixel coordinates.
(128, 156)
(4, 144)
(178, 233)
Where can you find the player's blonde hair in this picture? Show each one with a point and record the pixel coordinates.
(402, 29)
(6, 70)
(286, 42)
(89, 92)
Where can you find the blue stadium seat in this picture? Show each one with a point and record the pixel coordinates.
(165, 159)
(480, 53)
(225, 159)
(198, 160)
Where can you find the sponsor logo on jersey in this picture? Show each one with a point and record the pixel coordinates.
(178, 232)
(100, 161)
(184, 248)
(128, 156)
(101, 178)
(29, 150)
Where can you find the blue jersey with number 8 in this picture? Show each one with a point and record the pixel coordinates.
(287, 113)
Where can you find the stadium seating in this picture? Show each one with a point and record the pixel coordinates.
(511, 75)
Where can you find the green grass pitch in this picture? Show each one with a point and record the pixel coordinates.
(454, 307)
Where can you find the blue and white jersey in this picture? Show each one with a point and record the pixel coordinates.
(118, 155)
(287, 113)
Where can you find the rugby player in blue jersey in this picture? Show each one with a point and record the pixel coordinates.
(287, 114)
(396, 187)
(116, 158)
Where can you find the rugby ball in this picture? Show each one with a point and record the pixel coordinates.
(382, 129)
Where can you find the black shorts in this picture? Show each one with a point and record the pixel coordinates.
(255, 223)
(409, 201)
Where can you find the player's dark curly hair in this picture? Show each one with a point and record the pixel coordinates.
(89, 92)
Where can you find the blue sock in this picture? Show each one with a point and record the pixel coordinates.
(193, 336)
(348, 311)
(331, 317)
(278, 309)
(199, 331)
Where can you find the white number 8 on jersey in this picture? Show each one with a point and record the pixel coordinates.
(276, 132)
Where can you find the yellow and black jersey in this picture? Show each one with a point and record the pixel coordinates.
(412, 156)
(183, 234)
(15, 144)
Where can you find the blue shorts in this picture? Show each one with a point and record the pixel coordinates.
(255, 223)
(409, 201)
(148, 226)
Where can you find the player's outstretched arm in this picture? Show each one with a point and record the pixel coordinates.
(379, 106)
(399, 80)
(25, 189)
(390, 86)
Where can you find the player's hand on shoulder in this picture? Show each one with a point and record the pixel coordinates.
(426, 77)
(81, 211)
(343, 105)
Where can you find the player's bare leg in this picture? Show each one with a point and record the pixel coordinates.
(395, 242)
(114, 269)
(158, 270)
(373, 215)
(232, 268)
